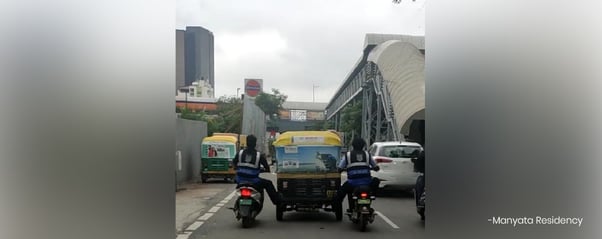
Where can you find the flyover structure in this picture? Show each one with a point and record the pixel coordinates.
(388, 80)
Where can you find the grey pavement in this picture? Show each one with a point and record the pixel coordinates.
(195, 198)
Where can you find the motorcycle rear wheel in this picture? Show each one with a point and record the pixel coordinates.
(246, 222)
(363, 222)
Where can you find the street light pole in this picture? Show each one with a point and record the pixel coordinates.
(313, 92)
(185, 90)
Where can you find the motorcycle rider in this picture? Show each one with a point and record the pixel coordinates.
(247, 164)
(358, 163)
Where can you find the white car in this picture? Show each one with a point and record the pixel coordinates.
(396, 168)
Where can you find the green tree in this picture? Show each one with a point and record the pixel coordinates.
(226, 119)
(229, 111)
(270, 103)
(318, 125)
(351, 121)
(327, 124)
(192, 115)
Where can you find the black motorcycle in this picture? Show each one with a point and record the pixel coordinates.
(420, 188)
(248, 204)
(420, 196)
(362, 212)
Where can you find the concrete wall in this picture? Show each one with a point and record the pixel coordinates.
(189, 134)
(254, 122)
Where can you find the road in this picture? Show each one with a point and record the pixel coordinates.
(397, 219)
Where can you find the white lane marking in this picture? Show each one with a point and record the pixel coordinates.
(185, 235)
(194, 226)
(206, 216)
(214, 209)
(230, 196)
(386, 219)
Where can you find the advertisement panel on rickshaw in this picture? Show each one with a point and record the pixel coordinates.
(306, 168)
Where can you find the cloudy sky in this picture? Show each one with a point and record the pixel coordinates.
(293, 45)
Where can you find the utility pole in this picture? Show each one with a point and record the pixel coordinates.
(185, 90)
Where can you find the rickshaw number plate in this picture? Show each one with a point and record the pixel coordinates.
(363, 201)
(291, 150)
(246, 202)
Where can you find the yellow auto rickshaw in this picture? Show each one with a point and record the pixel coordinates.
(306, 171)
(217, 153)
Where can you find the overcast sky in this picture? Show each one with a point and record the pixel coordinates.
(294, 44)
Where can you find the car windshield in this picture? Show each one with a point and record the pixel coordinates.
(399, 151)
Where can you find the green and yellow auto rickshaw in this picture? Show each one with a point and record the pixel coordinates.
(217, 153)
(306, 170)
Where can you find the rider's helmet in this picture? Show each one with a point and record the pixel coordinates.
(358, 144)
(251, 141)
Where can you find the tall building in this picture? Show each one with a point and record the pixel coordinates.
(198, 56)
(180, 60)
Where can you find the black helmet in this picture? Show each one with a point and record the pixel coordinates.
(251, 141)
(358, 144)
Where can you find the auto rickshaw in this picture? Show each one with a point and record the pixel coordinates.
(217, 153)
(306, 171)
(242, 139)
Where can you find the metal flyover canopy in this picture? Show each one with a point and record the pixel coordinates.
(292, 138)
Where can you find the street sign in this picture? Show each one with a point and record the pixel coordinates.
(253, 87)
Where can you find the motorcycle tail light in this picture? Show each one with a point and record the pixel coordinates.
(245, 192)
(364, 195)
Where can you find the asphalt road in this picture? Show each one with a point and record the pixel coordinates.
(397, 219)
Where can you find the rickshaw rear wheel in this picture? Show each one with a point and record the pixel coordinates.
(338, 211)
(279, 212)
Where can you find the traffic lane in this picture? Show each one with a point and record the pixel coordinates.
(196, 199)
(223, 224)
(400, 208)
(220, 188)
(295, 225)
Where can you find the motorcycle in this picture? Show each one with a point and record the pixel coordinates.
(362, 212)
(420, 188)
(420, 196)
(248, 204)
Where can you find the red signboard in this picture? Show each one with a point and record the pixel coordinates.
(252, 87)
